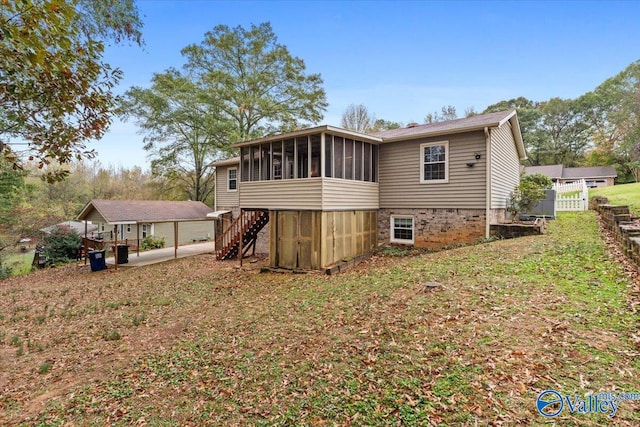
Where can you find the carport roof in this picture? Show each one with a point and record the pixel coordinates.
(132, 211)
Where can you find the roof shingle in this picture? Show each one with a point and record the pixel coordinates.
(115, 211)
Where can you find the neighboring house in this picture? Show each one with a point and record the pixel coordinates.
(78, 226)
(330, 193)
(595, 176)
(134, 220)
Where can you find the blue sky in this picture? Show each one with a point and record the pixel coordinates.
(401, 59)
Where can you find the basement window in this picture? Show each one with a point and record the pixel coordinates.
(402, 229)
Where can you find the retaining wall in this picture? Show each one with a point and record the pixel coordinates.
(622, 224)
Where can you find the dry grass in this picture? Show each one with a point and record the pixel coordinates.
(198, 342)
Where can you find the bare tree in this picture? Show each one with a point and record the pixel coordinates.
(358, 118)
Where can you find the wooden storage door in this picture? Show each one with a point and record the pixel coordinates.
(298, 239)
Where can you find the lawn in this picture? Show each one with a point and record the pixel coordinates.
(19, 263)
(624, 194)
(201, 342)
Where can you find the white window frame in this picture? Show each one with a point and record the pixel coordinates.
(446, 163)
(392, 227)
(229, 179)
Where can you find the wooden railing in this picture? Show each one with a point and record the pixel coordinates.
(245, 229)
(102, 244)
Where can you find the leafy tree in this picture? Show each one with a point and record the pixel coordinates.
(539, 179)
(55, 89)
(20, 216)
(61, 245)
(470, 112)
(529, 116)
(358, 118)
(613, 112)
(260, 87)
(568, 134)
(524, 197)
(237, 84)
(381, 125)
(447, 112)
(185, 131)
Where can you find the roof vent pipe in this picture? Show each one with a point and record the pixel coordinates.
(412, 125)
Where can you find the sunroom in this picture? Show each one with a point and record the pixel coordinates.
(322, 168)
(320, 188)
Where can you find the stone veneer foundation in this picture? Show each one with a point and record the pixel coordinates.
(436, 228)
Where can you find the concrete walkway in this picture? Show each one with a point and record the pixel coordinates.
(161, 255)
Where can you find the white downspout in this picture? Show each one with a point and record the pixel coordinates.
(487, 228)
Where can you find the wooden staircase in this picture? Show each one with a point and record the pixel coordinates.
(246, 228)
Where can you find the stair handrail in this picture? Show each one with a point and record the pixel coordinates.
(238, 227)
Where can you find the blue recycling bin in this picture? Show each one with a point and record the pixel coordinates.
(97, 260)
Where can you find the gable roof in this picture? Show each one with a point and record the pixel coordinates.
(131, 211)
(309, 131)
(468, 124)
(552, 171)
(590, 172)
(560, 172)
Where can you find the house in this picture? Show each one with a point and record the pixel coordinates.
(180, 222)
(329, 193)
(595, 176)
(77, 226)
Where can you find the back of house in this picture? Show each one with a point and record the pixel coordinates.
(333, 194)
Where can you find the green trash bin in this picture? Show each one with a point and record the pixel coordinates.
(123, 254)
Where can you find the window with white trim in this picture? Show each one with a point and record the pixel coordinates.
(402, 230)
(232, 179)
(434, 162)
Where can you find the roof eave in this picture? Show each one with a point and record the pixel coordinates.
(226, 162)
(309, 131)
(517, 134)
(85, 211)
(440, 133)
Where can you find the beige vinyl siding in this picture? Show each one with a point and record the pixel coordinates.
(505, 165)
(187, 232)
(301, 194)
(95, 217)
(399, 174)
(343, 194)
(225, 199)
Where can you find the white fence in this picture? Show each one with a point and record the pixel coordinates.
(572, 197)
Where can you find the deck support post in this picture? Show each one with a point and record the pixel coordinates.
(175, 239)
(84, 242)
(115, 245)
